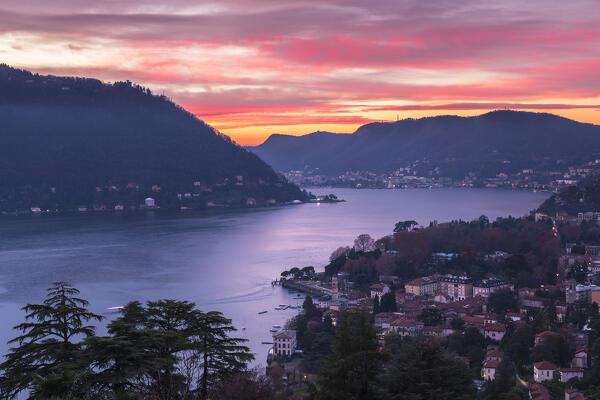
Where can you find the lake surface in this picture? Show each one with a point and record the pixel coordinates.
(223, 262)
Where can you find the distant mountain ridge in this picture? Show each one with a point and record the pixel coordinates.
(68, 142)
(498, 141)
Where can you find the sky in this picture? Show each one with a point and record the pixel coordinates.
(252, 68)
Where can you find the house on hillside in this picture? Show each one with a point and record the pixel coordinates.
(488, 369)
(284, 342)
(542, 336)
(488, 286)
(580, 358)
(379, 290)
(543, 371)
(496, 355)
(567, 374)
(426, 286)
(494, 331)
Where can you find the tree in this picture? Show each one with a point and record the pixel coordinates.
(422, 370)
(553, 349)
(431, 316)
(351, 371)
(340, 252)
(364, 243)
(376, 306)
(125, 360)
(295, 272)
(458, 324)
(516, 345)
(404, 225)
(578, 272)
(47, 359)
(503, 386)
(308, 272)
(248, 385)
(219, 354)
(388, 303)
(310, 310)
(502, 301)
(551, 315)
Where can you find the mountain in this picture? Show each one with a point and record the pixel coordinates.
(498, 141)
(70, 142)
(582, 197)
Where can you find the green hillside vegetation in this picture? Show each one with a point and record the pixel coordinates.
(68, 142)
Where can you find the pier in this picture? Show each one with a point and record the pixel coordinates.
(309, 287)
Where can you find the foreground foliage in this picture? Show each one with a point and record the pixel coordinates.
(167, 349)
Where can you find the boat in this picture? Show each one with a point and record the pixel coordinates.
(118, 308)
(267, 342)
(276, 326)
(263, 312)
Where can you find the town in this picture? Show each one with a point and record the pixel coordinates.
(534, 335)
(419, 174)
(234, 192)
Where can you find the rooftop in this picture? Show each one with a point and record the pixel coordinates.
(545, 365)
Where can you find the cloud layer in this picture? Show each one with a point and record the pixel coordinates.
(252, 68)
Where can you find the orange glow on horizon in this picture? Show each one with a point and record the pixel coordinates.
(256, 68)
(255, 135)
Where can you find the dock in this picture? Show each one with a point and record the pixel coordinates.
(306, 287)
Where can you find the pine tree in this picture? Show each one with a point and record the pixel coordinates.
(219, 355)
(126, 357)
(47, 360)
(351, 371)
(376, 306)
(388, 303)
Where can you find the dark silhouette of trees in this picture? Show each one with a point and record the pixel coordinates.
(423, 370)
(47, 358)
(388, 303)
(62, 138)
(351, 371)
(165, 350)
(431, 316)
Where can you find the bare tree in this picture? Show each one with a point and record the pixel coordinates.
(364, 243)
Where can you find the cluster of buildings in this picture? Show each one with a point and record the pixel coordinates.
(419, 174)
(449, 288)
(133, 197)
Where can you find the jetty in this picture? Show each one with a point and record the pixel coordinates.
(310, 287)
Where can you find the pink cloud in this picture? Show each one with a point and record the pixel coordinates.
(266, 62)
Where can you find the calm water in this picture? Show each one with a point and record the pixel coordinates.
(222, 262)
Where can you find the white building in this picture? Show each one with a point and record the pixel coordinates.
(569, 373)
(543, 371)
(150, 202)
(284, 342)
(488, 370)
(378, 289)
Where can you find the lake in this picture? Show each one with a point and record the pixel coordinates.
(223, 262)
